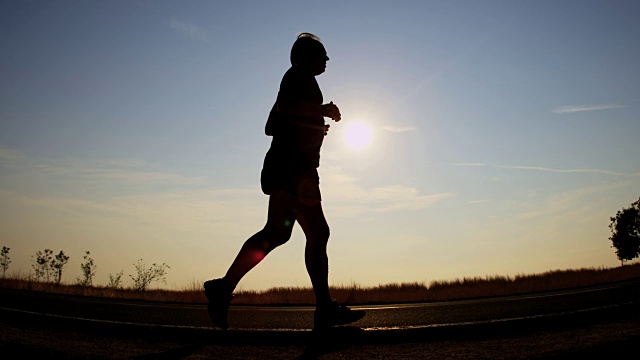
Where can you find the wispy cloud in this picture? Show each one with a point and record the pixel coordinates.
(588, 171)
(116, 172)
(561, 204)
(9, 157)
(473, 202)
(578, 108)
(136, 190)
(348, 198)
(398, 129)
(125, 172)
(412, 202)
(547, 169)
(180, 210)
(192, 30)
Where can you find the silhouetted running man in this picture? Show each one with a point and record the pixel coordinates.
(290, 178)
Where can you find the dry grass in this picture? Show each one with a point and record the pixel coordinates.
(465, 288)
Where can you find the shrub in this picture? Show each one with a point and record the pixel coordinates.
(146, 275)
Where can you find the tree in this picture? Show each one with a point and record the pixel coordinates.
(88, 270)
(41, 264)
(56, 264)
(625, 229)
(147, 275)
(4, 260)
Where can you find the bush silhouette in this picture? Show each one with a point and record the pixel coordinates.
(146, 275)
(88, 270)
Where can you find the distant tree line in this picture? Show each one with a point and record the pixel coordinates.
(48, 267)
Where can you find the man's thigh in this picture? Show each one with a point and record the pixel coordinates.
(308, 192)
(282, 210)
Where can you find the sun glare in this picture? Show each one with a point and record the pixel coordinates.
(358, 135)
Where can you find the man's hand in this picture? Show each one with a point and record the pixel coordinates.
(331, 111)
(326, 129)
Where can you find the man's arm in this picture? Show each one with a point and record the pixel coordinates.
(303, 108)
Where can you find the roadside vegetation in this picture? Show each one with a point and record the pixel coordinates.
(466, 288)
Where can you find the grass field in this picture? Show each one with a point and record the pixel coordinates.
(465, 288)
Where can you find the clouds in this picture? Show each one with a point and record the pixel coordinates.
(128, 191)
(129, 184)
(348, 198)
(398, 129)
(473, 202)
(131, 176)
(586, 171)
(552, 170)
(137, 192)
(471, 164)
(563, 204)
(124, 172)
(579, 108)
(191, 30)
(10, 158)
(123, 194)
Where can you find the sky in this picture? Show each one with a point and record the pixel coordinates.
(504, 135)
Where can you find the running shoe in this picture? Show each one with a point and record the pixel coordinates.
(219, 294)
(335, 314)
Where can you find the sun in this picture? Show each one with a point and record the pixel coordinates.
(358, 135)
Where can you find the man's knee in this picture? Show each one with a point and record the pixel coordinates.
(274, 237)
(279, 239)
(325, 233)
(320, 235)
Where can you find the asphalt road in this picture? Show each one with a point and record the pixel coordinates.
(549, 307)
(600, 322)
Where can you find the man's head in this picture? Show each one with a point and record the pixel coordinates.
(307, 51)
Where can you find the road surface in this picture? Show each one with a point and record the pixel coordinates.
(283, 318)
(601, 321)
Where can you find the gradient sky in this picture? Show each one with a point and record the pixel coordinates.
(505, 134)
